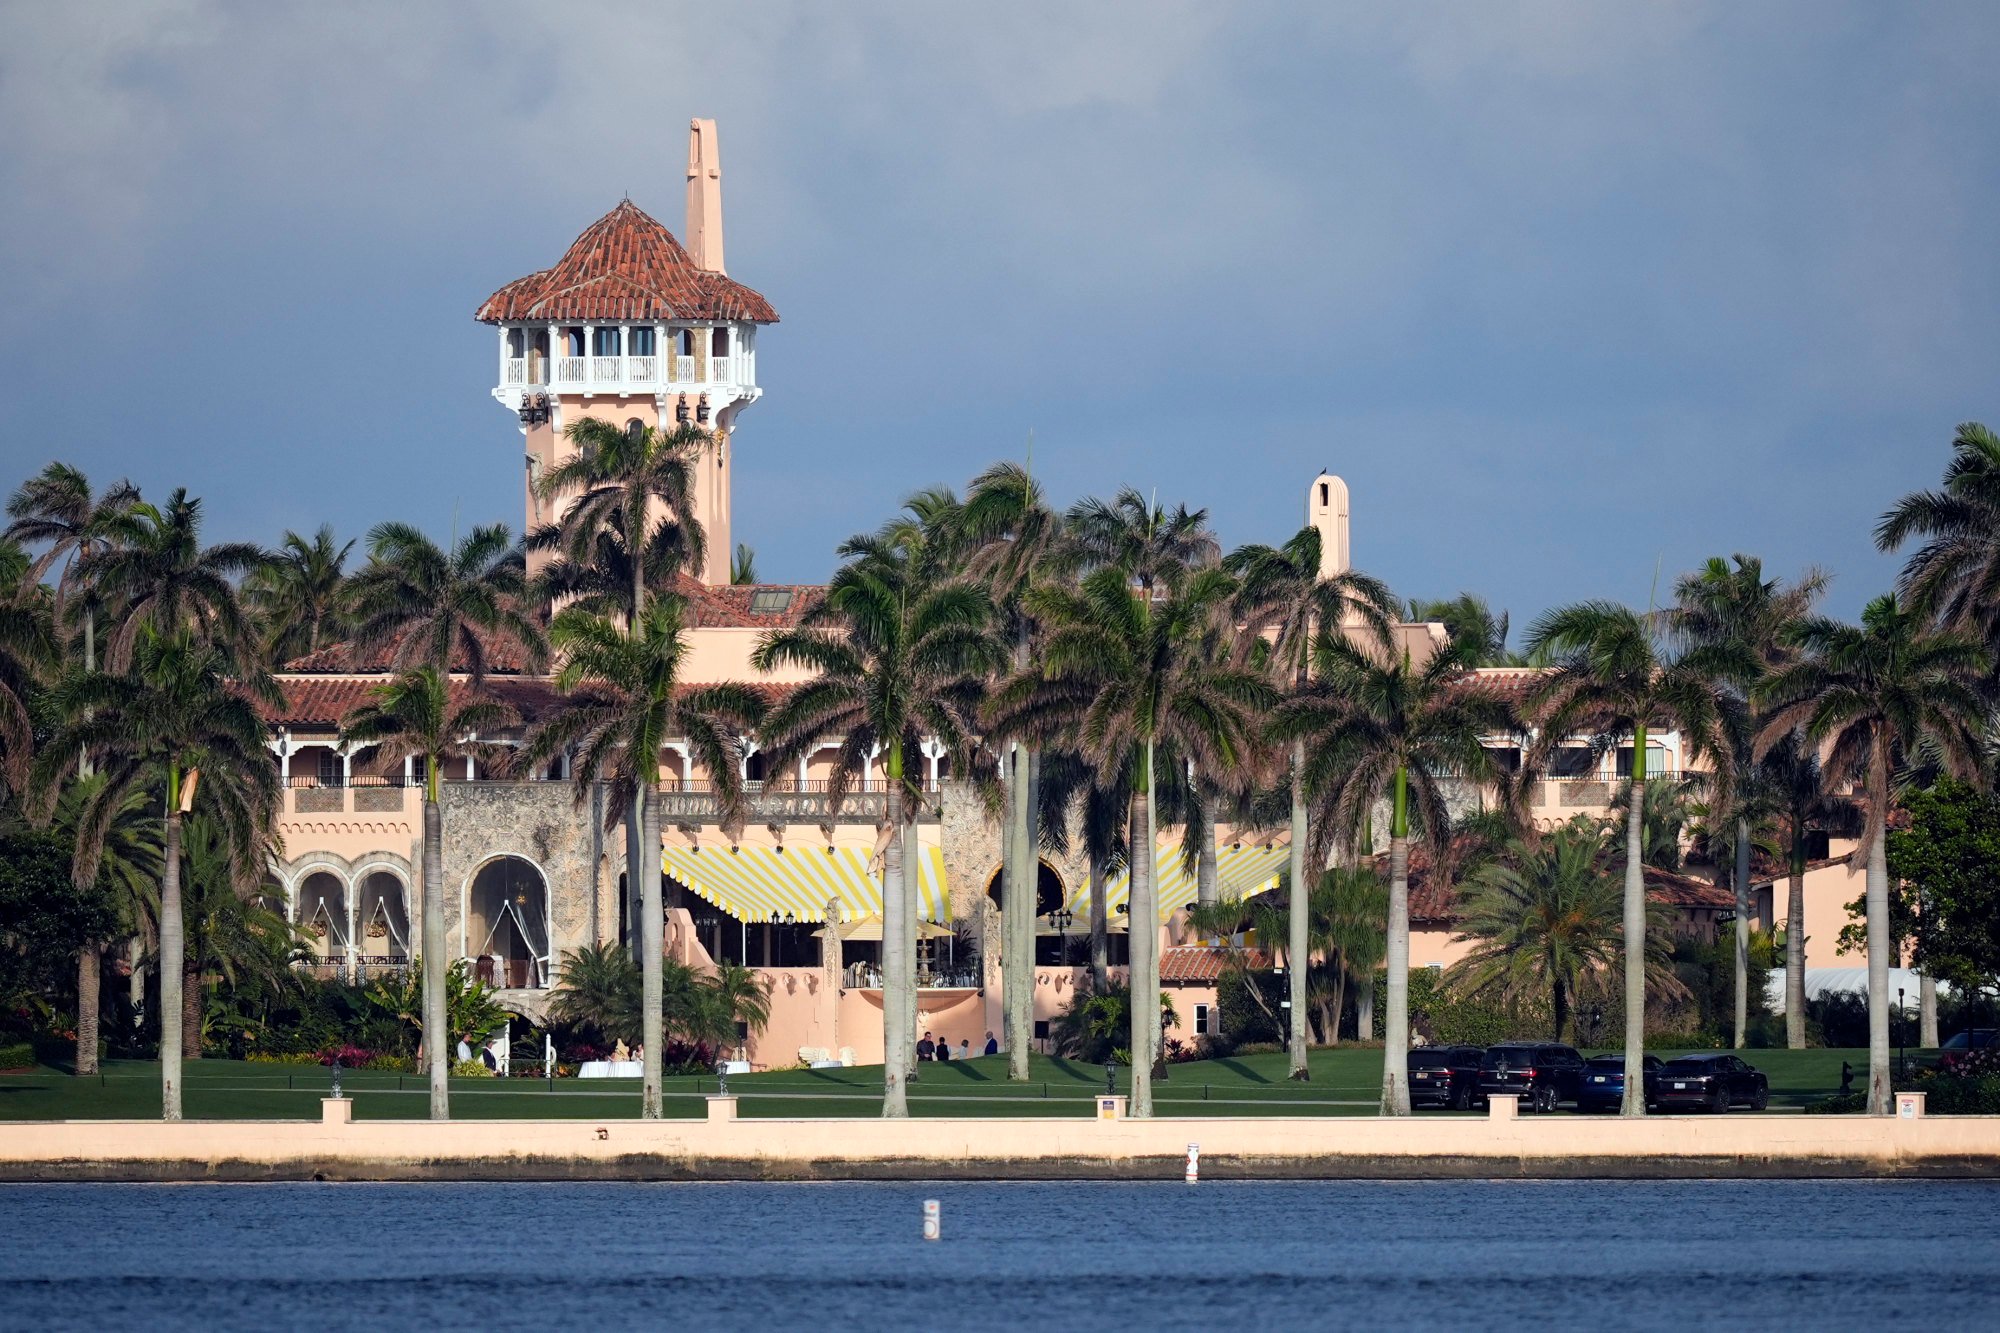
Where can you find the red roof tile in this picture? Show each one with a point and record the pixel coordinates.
(1202, 962)
(625, 266)
(748, 605)
(325, 701)
(503, 657)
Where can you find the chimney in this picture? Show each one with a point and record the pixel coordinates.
(704, 221)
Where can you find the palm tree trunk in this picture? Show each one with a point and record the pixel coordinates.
(913, 877)
(173, 952)
(1018, 919)
(1298, 948)
(1881, 1093)
(1396, 1022)
(1795, 943)
(1364, 1009)
(898, 983)
(1559, 1006)
(1635, 935)
(191, 1007)
(1927, 1018)
(1145, 940)
(89, 987)
(1742, 933)
(1100, 925)
(1205, 870)
(652, 954)
(438, 1045)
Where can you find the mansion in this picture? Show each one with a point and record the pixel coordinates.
(633, 325)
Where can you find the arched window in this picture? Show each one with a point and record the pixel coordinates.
(507, 925)
(635, 428)
(719, 342)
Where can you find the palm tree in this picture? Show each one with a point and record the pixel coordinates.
(1613, 680)
(426, 605)
(1868, 699)
(232, 937)
(743, 565)
(177, 719)
(57, 510)
(160, 577)
(1546, 918)
(27, 654)
(1381, 727)
(299, 594)
(128, 868)
(1740, 618)
(1955, 574)
(1152, 545)
(414, 716)
(1014, 540)
(1796, 784)
(637, 480)
(624, 701)
(1468, 619)
(899, 654)
(601, 992)
(1121, 673)
(1284, 599)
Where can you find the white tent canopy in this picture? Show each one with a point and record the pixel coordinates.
(1854, 980)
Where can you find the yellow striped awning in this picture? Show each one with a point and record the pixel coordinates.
(750, 883)
(1242, 870)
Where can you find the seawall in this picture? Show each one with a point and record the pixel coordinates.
(725, 1148)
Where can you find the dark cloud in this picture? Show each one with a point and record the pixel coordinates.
(1563, 290)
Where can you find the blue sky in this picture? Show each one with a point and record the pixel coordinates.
(1561, 290)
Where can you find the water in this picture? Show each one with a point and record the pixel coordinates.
(1830, 1255)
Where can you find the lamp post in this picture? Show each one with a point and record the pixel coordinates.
(1061, 919)
(1902, 1035)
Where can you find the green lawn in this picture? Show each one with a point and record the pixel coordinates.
(1346, 1081)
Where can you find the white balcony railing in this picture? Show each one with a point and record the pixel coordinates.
(605, 370)
(569, 370)
(684, 369)
(718, 370)
(517, 370)
(641, 369)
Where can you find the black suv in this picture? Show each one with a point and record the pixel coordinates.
(1542, 1074)
(1446, 1076)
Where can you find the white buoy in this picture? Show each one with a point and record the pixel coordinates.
(1194, 1163)
(932, 1227)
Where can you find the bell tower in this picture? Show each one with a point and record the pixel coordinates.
(632, 327)
(1326, 510)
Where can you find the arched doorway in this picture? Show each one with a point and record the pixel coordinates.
(1048, 888)
(321, 912)
(507, 924)
(384, 912)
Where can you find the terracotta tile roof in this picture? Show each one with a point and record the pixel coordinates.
(1202, 962)
(625, 266)
(503, 658)
(324, 701)
(748, 605)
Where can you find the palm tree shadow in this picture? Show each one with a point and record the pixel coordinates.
(1242, 1071)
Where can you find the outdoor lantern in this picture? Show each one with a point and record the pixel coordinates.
(681, 410)
(701, 410)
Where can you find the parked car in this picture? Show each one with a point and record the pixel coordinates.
(1542, 1074)
(1446, 1076)
(1958, 1044)
(1604, 1083)
(1711, 1082)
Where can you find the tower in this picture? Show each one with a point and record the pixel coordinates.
(1326, 510)
(632, 327)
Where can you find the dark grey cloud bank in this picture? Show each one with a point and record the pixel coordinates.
(1561, 290)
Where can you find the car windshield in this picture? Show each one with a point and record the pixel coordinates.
(1512, 1057)
(1430, 1059)
(1608, 1062)
(1699, 1064)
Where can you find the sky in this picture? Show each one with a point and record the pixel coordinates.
(1568, 293)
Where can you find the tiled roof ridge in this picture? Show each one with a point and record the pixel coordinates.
(631, 250)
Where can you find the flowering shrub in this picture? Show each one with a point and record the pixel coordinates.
(350, 1057)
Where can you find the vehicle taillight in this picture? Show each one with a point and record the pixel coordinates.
(1527, 1073)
